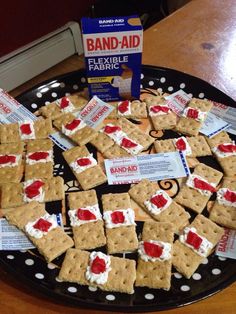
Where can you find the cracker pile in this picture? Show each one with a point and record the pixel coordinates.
(107, 223)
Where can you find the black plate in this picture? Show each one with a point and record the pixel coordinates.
(212, 276)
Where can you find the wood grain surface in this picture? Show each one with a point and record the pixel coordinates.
(198, 39)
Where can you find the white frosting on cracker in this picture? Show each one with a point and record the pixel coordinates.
(71, 132)
(188, 150)
(49, 158)
(190, 183)
(78, 169)
(75, 221)
(221, 199)
(39, 198)
(101, 278)
(221, 154)
(152, 208)
(30, 136)
(166, 253)
(36, 233)
(129, 218)
(11, 164)
(69, 108)
(201, 114)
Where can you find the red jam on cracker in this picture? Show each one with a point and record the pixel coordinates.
(192, 113)
(159, 200)
(73, 124)
(152, 249)
(42, 225)
(127, 143)
(124, 106)
(82, 162)
(6, 159)
(117, 217)
(26, 128)
(180, 144)
(227, 148)
(64, 102)
(98, 265)
(109, 129)
(159, 108)
(194, 240)
(33, 189)
(85, 214)
(230, 196)
(38, 156)
(203, 185)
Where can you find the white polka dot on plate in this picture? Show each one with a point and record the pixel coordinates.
(110, 297)
(67, 94)
(162, 79)
(51, 266)
(75, 86)
(182, 85)
(93, 289)
(39, 95)
(185, 288)
(29, 262)
(72, 289)
(62, 84)
(170, 88)
(34, 106)
(178, 275)
(222, 258)
(58, 280)
(190, 95)
(150, 83)
(39, 276)
(201, 95)
(47, 103)
(54, 95)
(10, 256)
(216, 271)
(83, 80)
(141, 86)
(142, 76)
(149, 296)
(44, 90)
(196, 276)
(205, 261)
(57, 84)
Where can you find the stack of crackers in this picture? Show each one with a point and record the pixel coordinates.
(101, 229)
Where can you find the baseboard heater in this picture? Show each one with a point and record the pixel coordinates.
(25, 63)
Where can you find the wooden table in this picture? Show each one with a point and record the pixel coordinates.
(198, 39)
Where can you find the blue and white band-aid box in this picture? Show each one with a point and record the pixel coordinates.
(113, 56)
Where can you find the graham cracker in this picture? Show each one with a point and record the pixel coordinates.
(138, 110)
(91, 234)
(75, 265)
(190, 126)
(122, 276)
(80, 137)
(39, 145)
(115, 151)
(15, 173)
(198, 145)
(164, 122)
(174, 213)
(9, 133)
(12, 193)
(51, 245)
(53, 111)
(123, 238)
(102, 142)
(155, 274)
(141, 138)
(90, 177)
(192, 198)
(126, 126)
(186, 260)
(220, 138)
(222, 214)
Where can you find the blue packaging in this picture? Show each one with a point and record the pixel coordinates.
(113, 56)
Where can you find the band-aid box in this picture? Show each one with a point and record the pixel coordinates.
(113, 54)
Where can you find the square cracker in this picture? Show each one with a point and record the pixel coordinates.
(138, 110)
(90, 177)
(115, 151)
(174, 214)
(186, 260)
(12, 174)
(222, 214)
(102, 142)
(220, 138)
(141, 138)
(124, 238)
(75, 265)
(122, 276)
(40, 170)
(126, 126)
(51, 245)
(198, 145)
(89, 235)
(53, 111)
(188, 126)
(12, 193)
(9, 133)
(82, 136)
(192, 198)
(164, 121)
(156, 274)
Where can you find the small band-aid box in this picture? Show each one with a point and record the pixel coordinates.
(113, 54)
